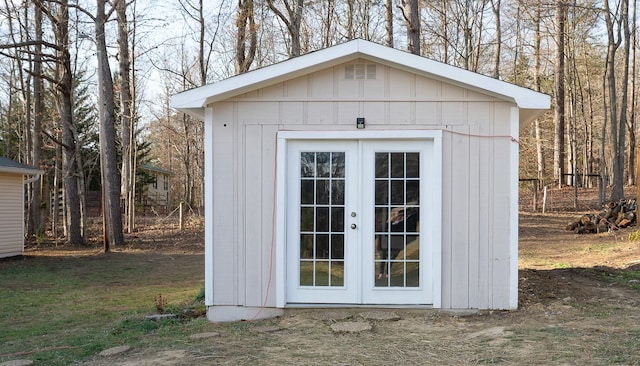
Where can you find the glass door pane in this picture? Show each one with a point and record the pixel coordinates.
(397, 221)
(322, 219)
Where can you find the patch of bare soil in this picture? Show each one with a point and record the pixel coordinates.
(152, 234)
(576, 306)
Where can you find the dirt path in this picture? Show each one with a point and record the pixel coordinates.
(575, 308)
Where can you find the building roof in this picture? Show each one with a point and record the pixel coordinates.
(11, 166)
(153, 168)
(192, 102)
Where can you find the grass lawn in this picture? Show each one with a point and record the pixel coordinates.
(63, 308)
(578, 305)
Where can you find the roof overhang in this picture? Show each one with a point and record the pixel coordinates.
(21, 171)
(155, 169)
(13, 167)
(193, 102)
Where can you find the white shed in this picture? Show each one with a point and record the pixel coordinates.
(12, 179)
(360, 175)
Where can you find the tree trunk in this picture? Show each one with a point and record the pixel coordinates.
(245, 24)
(411, 12)
(57, 173)
(495, 6)
(618, 181)
(70, 163)
(559, 98)
(388, 22)
(632, 118)
(603, 141)
(538, 86)
(293, 21)
(618, 148)
(35, 216)
(126, 102)
(108, 157)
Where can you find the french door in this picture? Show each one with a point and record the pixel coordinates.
(354, 211)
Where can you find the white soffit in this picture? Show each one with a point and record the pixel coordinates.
(193, 101)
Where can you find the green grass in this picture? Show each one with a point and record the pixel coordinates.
(60, 310)
(624, 277)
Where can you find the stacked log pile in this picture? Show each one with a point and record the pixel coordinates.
(613, 216)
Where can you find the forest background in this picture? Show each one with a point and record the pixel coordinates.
(85, 85)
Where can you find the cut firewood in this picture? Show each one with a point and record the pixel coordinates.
(614, 215)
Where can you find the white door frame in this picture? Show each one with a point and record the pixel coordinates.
(432, 230)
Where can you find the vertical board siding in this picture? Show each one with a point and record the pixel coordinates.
(297, 88)
(474, 214)
(501, 218)
(11, 215)
(252, 226)
(268, 214)
(459, 213)
(398, 84)
(225, 256)
(320, 113)
(485, 182)
(400, 113)
(320, 89)
(475, 197)
(447, 212)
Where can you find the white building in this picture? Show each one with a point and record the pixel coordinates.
(12, 180)
(360, 175)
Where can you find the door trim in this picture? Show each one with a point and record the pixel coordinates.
(433, 229)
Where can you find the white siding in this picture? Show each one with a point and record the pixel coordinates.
(476, 175)
(226, 259)
(11, 215)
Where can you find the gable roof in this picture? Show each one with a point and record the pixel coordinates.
(153, 168)
(192, 102)
(11, 166)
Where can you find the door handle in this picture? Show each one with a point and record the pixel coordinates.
(353, 226)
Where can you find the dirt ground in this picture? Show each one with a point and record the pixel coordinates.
(576, 306)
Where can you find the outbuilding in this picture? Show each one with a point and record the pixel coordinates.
(155, 195)
(360, 175)
(12, 180)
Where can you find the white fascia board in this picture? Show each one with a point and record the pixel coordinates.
(22, 171)
(239, 84)
(523, 97)
(192, 101)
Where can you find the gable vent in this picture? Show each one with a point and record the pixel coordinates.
(360, 72)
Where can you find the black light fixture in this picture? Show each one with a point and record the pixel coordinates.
(360, 122)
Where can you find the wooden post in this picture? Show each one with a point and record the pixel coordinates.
(544, 200)
(181, 217)
(535, 195)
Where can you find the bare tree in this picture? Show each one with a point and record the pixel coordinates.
(411, 13)
(245, 23)
(292, 20)
(127, 117)
(113, 234)
(58, 15)
(614, 25)
(631, 126)
(388, 22)
(495, 6)
(538, 85)
(36, 215)
(559, 97)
